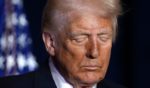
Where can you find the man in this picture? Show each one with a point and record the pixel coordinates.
(78, 36)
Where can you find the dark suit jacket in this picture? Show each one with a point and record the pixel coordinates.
(41, 78)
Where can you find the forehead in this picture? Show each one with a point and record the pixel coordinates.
(90, 21)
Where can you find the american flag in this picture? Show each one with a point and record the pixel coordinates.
(15, 43)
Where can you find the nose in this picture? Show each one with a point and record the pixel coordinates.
(93, 49)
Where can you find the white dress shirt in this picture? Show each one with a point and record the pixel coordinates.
(58, 79)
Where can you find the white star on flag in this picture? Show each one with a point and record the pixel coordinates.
(16, 56)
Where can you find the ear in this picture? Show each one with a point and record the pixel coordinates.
(49, 43)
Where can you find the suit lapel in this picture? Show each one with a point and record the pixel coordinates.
(43, 78)
(101, 84)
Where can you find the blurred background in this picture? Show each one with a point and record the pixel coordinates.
(130, 61)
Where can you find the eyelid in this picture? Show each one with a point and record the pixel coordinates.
(80, 39)
(105, 36)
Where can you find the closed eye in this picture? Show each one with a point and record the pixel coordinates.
(79, 39)
(104, 37)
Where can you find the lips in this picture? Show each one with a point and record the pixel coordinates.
(91, 67)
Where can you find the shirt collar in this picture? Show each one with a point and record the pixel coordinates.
(58, 79)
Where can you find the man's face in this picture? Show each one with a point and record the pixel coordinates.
(84, 50)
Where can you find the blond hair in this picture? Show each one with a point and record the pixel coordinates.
(55, 14)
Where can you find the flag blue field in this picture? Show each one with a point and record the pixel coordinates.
(16, 56)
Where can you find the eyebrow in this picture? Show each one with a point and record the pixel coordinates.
(105, 31)
(78, 33)
(102, 32)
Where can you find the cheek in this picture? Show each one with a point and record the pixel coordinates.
(105, 56)
(72, 56)
(105, 53)
(75, 52)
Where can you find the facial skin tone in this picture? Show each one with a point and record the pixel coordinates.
(83, 53)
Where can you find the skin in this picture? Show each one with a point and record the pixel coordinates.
(83, 51)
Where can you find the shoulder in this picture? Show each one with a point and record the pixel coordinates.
(109, 84)
(20, 81)
(41, 78)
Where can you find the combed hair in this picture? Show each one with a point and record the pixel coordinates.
(56, 12)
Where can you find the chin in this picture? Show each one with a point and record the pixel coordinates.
(91, 79)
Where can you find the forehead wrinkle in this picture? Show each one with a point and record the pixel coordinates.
(105, 30)
(85, 31)
(84, 23)
(92, 22)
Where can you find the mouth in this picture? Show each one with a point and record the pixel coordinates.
(91, 67)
